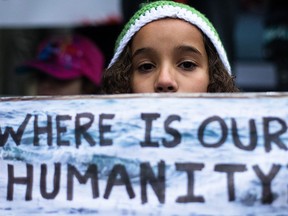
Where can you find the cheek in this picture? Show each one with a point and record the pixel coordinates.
(136, 84)
(192, 84)
(141, 85)
(203, 84)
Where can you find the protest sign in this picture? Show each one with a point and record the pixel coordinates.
(186, 154)
(35, 13)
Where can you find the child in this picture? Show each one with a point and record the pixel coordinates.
(66, 65)
(168, 47)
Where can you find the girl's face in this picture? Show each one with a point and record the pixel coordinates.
(169, 55)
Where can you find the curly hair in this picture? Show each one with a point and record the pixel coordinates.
(117, 78)
(219, 78)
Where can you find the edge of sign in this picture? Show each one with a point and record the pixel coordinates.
(151, 95)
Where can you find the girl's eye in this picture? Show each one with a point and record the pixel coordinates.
(187, 65)
(146, 67)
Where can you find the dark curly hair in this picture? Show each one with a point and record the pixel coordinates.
(117, 78)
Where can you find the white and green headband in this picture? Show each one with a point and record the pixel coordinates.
(169, 9)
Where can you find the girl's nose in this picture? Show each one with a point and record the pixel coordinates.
(166, 82)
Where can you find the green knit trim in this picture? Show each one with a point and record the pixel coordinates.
(148, 7)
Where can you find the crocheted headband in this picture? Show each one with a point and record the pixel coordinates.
(168, 9)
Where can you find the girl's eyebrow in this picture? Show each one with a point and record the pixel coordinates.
(182, 48)
(145, 50)
(186, 48)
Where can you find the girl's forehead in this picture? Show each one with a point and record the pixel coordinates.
(168, 29)
(168, 37)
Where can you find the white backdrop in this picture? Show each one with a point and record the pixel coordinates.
(28, 13)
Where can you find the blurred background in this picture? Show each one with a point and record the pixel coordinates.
(254, 33)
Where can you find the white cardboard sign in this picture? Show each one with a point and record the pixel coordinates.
(190, 154)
